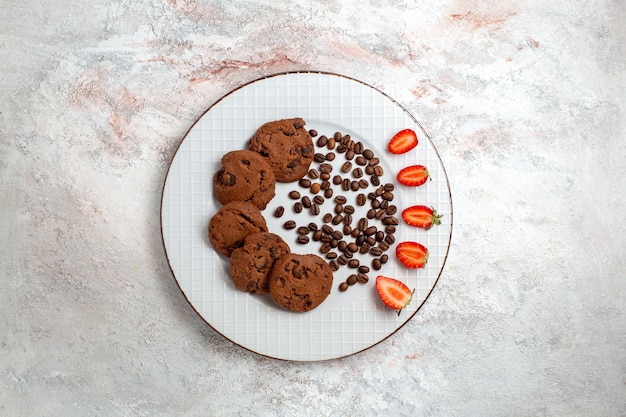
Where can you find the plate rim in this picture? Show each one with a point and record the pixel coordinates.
(285, 73)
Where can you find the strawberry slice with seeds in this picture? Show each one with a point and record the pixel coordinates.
(413, 176)
(393, 293)
(421, 216)
(412, 254)
(402, 142)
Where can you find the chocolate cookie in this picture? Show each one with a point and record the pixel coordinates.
(232, 223)
(251, 264)
(287, 146)
(245, 176)
(300, 282)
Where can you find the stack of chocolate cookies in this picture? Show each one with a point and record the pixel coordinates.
(261, 262)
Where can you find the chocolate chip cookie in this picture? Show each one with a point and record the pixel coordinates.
(287, 146)
(232, 223)
(245, 176)
(300, 282)
(251, 264)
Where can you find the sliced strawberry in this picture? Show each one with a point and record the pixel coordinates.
(412, 254)
(421, 216)
(402, 142)
(395, 294)
(413, 176)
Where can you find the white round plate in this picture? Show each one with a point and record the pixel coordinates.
(346, 322)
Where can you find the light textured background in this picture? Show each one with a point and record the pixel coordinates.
(523, 99)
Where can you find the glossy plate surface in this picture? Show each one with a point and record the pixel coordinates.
(347, 322)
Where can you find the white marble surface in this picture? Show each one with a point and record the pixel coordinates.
(523, 99)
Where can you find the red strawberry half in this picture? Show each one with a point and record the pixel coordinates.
(412, 254)
(421, 216)
(402, 142)
(395, 294)
(413, 176)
